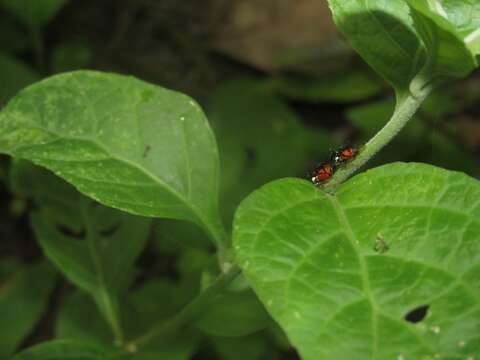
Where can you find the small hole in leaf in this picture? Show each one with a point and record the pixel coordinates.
(109, 231)
(418, 314)
(80, 235)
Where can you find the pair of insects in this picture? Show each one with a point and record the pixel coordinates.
(325, 170)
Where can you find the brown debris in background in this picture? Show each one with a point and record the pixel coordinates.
(277, 34)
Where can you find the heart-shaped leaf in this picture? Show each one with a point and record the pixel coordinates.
(385, 269)
(126, 143)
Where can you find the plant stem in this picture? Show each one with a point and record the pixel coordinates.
(188, 313)
(103, 297)
(407, 106)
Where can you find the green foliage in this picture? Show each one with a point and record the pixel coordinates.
(401, 39)
(24, 293)
(311, 258)
(125, 143)
(344, 270)
(15, 75)
(69, 350)
(248, 317)
(95, 247)
(259, 138)
(34, 13)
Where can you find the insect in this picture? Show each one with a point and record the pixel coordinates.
(343, 155)
(325, 170)
(322, 173)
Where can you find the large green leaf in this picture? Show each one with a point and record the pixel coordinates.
(35, 13)
(341, 272)
(382, 33)
(24, 293)
(126, 143)
(398, 38)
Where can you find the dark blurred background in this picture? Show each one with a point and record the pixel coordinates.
(281, 89)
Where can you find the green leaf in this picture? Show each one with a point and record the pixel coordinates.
(15, 76)
(382, 33)
(24, 293)
(253, 347)
(234, 314)
(316, 262)
(260, 139)
(34, 13)
(126, 143)
(449, 56)
(437, 40)
(79, 319)
(101, 262)
(156, 300)
(57, 199)
(69, 350)
(462, 15)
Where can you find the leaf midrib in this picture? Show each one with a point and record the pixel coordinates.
(198, 214)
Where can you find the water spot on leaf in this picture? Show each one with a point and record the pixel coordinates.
(418, 314)
(435, 329)
(461, 344)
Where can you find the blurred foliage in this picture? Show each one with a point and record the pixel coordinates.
(267, 126)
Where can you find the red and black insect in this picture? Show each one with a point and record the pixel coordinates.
(322, 173)
(325, 170)
(343, 155)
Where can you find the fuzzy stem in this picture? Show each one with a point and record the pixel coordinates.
(407, 106)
